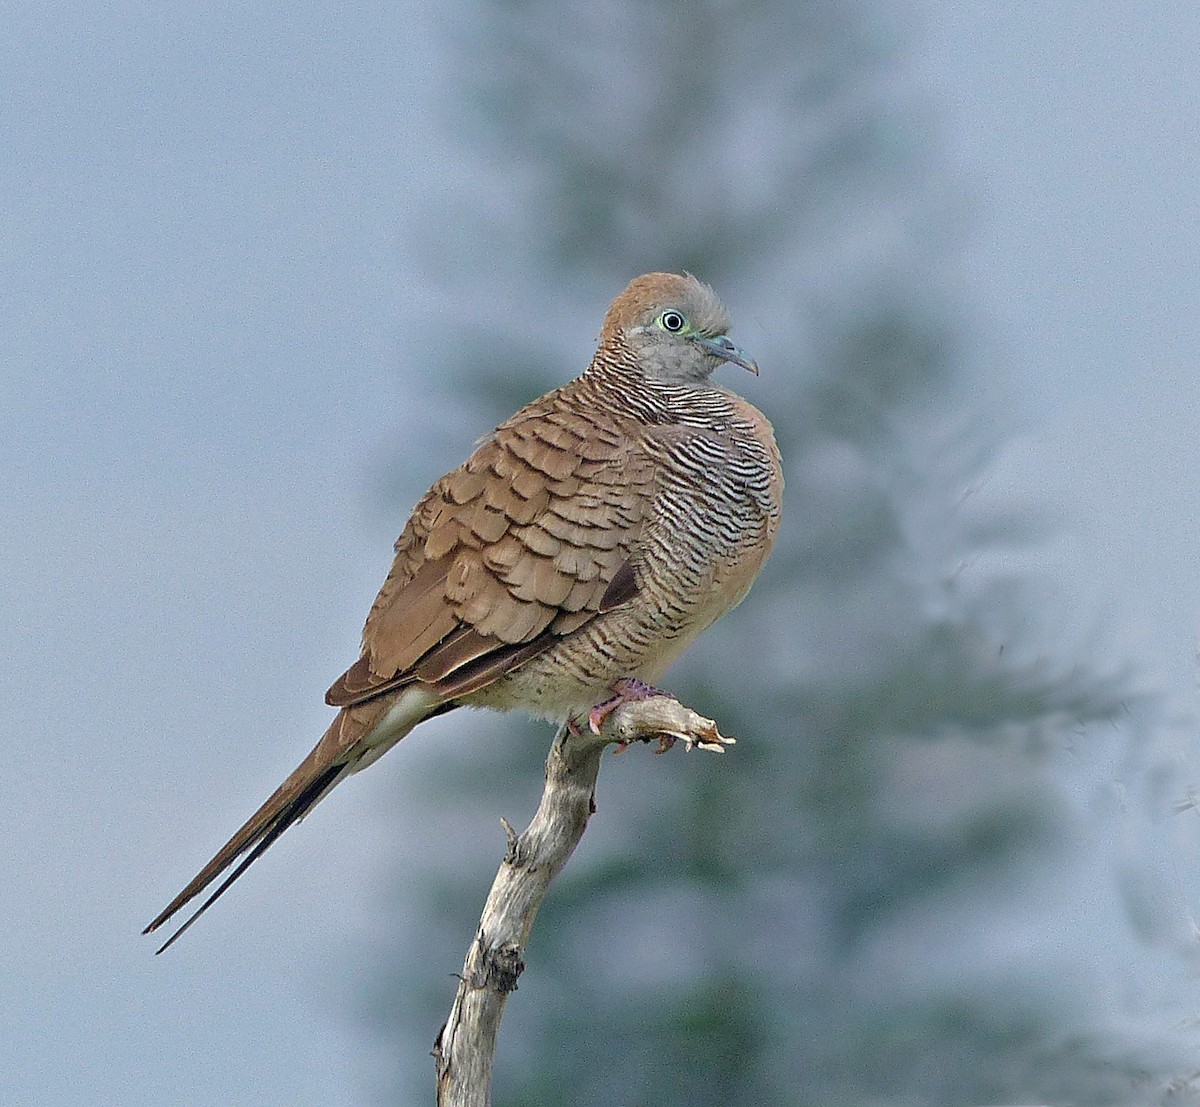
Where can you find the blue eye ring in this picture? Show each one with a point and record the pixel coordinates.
(672, 321)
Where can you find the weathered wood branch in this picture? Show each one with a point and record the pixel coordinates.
(466, 1045)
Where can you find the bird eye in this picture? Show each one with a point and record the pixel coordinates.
(672, 321)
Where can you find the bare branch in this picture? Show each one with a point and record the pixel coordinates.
(466, 1045)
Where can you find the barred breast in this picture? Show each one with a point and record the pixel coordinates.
(708, 515)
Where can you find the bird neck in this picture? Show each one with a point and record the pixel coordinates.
(614, 381)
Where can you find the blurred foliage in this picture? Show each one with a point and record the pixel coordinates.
(762, 929)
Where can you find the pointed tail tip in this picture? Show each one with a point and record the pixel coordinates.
(155, 924)
(165, 914)
(170, 941)
(179, 931)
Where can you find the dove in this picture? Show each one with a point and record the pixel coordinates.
(564, 566)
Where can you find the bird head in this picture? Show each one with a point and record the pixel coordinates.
(676, 328)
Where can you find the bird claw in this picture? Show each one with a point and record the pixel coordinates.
(626, 690)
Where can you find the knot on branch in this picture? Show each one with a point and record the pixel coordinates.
(500, 966)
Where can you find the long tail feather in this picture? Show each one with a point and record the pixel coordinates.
(292, 813)
(359, 735)
(335, 756)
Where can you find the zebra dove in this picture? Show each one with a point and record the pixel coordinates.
(576, 553)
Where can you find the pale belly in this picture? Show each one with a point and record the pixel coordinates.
(641, 640)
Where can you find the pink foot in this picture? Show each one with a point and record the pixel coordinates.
(626, 690)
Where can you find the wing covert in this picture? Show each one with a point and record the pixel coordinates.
(505, 555)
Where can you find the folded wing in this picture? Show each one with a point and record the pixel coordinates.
(526, 542)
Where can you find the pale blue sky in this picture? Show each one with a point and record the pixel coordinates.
(212, 343)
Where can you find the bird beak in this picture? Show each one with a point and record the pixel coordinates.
(723, 348)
